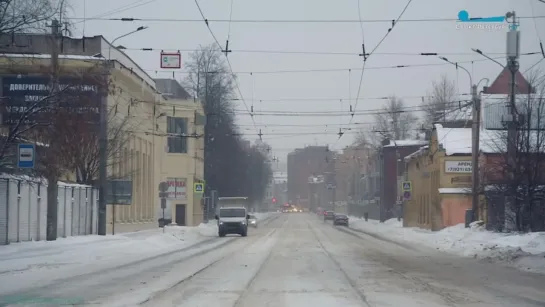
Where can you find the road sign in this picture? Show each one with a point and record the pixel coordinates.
(163, 194)
(198, 187)
(407, 195)
(119, 192)
(171, 60)
(163, 203)
(407, 186)
(26, 156)
(163, 186)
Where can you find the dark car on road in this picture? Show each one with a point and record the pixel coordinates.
(329, 215)
(340, 219)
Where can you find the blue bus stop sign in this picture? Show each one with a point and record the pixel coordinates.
(26, 156)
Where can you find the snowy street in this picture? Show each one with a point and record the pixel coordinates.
(289, 260)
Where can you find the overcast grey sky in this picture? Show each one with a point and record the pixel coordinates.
(284, 133)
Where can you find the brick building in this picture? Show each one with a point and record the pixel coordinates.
(304, 163)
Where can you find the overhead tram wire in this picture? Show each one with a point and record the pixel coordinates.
(302, 52)
(354, 69)
(365, 58)
(120, 9)
(372, 51)
(422, 20)
(228, 61)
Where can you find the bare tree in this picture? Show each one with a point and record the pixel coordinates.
(24, 16)
(225, 156)
(395, 121)
(527, 212)
(440, 101)
(82, 153)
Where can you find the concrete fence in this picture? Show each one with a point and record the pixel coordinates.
(23, 210)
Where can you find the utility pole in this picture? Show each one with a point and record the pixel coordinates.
(103, 140)
(103, 154)
(475, 138)
(52, 186)
(513, 52)
(476, 117)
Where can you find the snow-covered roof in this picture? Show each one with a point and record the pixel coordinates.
(27, 178)
(417, 153)
(462, 114)
(454, 140)
(401, 143)
(454, 190)
(458, 140)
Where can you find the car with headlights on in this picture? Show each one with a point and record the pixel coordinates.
(232, 220)
(252, 221)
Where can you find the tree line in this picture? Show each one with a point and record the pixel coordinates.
(233, 166)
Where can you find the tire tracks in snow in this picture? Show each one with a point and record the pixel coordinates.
(181, 284)
(444, 293)
(248, 286)
(359, 293)
(120, 272)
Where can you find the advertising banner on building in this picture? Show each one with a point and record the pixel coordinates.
(458, 167)
(32, 100)
(177, 188)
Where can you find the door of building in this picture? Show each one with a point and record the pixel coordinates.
(180, 215)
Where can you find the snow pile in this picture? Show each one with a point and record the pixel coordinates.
(91, 251)
(524, 251)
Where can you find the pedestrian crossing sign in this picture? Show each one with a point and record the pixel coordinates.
(407, 186)
(198, 187)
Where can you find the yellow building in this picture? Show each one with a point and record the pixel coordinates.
(440, 176)
(182, 120)
(144, 115)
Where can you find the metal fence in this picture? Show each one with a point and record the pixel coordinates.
(23, 210)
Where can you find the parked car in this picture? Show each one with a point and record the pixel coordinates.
(252, 221)
(329, 216)
(340, 219)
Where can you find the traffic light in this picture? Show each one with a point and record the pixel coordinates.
(274, 200)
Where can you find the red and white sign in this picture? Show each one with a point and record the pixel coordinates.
(171, 60)
(177, 188)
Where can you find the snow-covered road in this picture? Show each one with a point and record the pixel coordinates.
(297, 260)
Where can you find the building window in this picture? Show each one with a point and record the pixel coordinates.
(177, 143)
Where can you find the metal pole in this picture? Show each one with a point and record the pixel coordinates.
(476, 116)
(103, 154)
(103, 140)
(513, 39)
(164, 224)
(113, 219)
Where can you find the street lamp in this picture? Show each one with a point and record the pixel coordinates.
(103, 151)
(486, 56)
(124, 35)
(476, 117)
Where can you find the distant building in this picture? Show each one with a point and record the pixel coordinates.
(304, 163)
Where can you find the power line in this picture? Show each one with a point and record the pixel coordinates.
(374, 49)
(228, 62)
(130, 19)
(365, 58)
(302, 52)
(346, 69)
(120, 9)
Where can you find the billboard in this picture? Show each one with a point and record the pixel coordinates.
(176, 188)
(119, 192)
(30, 99)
